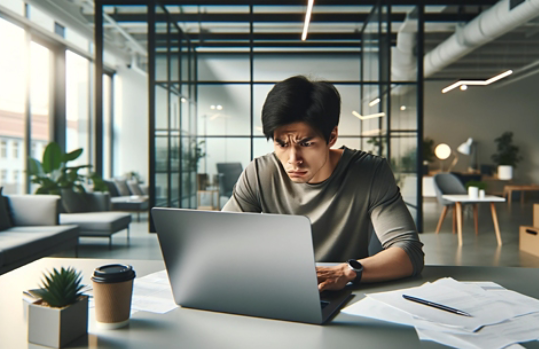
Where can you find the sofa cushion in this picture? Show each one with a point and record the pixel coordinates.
(129, 204)
(5, 217)
(123, 189)
(134, 188)
(22, 243)
(113, 189)
(97, 223)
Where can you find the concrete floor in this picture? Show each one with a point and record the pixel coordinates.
(440, 249)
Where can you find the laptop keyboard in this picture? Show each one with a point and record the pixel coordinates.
(324, 304)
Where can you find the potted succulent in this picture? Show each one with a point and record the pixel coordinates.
(507, 155)
(61, 314)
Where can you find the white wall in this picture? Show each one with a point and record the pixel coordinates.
(130, 122)
(484, 113)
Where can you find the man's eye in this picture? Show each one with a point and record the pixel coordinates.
(306, 144)
(282, 145)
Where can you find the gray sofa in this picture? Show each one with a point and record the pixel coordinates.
(35, 232)
(127, 196)
(91, 212)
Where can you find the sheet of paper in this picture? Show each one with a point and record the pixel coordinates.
(506, 334)
(518, 330)
(486, 307)
(151, 293)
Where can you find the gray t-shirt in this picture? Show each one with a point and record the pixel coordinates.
(362, 186)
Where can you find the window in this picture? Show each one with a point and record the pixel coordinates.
(3, 176)
(16, 149)
(33, 151)
(16, 176)
(3, 149)
(77, 106)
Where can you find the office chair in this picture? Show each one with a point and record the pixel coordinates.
(446, 184)
(229, 172)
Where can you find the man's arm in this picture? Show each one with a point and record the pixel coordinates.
(402, 255)
(389, 264)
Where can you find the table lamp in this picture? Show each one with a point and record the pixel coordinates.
(469, 148)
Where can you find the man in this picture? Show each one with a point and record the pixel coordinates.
(340, 190)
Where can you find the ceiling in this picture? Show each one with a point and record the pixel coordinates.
(335, 27)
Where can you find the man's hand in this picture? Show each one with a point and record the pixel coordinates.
(334, 278)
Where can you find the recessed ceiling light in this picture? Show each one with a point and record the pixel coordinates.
(403, 107)
(464, 87)
(212, 107)
(219, 107)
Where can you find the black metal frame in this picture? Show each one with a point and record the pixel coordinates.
(251, 41)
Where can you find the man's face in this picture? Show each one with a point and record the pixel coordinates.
(303, 152)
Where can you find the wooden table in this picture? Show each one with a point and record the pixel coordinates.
(460, 199)
(508, 191)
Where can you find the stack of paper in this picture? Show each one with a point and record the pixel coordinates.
(500, 317)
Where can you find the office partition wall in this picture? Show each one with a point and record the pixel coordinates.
(207, 88)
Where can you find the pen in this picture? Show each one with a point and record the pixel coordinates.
(435, 305)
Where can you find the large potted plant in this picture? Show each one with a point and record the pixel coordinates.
(61, 314)
(54, 175)
(506, 156)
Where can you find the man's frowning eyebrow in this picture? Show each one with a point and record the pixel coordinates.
(306, 139)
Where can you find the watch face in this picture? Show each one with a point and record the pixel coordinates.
(355, 264)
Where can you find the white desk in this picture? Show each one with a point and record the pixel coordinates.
(460, 199)
(190, 328)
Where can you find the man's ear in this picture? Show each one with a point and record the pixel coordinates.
(333, 137)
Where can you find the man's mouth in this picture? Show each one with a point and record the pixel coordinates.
(297, 173)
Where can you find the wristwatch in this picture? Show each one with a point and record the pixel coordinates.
(358, 268)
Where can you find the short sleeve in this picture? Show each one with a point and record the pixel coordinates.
(245, 195)
(390, 217)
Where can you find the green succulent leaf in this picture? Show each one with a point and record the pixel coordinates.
(61, 288)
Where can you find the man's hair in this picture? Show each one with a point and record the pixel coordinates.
(297, 99)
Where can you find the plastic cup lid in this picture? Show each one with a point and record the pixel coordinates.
(113, 273)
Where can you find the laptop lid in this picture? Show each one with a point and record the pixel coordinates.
(243, 263)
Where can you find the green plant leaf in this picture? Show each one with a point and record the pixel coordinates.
(35, 167)
(61, 288)
(52, 157)
(73, 155)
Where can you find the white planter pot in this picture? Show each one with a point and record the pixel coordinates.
(473, 192)
(56, 327)
(505, 172)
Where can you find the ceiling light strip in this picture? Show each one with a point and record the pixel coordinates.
(477, 82)
(307, 20)
(374, 102)
(370, 116)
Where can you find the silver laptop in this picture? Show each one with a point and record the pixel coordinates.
(244, 263)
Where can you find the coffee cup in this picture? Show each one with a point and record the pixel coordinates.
(113, 290)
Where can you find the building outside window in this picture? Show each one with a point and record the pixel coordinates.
(3, 176)
(16, 149)
(16, 176)
(3, 149)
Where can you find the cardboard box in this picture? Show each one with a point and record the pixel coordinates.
(529, 240)
(536, 215)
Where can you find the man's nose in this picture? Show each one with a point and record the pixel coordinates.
(295, 156)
